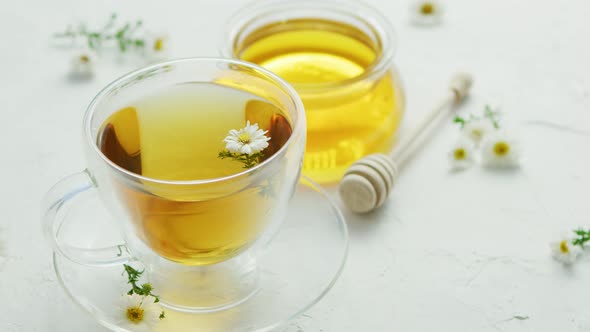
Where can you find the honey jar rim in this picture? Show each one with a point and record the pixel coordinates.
(377, 24)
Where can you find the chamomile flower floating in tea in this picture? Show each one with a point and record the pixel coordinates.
(461, 155)
(426, 13)
(245, 145)
(565, 251)
(500, 150)
(248, 140)
(138, 313)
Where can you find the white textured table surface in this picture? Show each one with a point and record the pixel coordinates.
(453, 252)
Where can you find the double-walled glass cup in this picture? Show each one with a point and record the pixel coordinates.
(338, 55)
(198, 239)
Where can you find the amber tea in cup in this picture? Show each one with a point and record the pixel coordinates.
(338, 56)
(176, 135)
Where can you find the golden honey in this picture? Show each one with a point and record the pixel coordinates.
(353, 103)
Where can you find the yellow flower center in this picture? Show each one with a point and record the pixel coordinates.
(159, 44)
(244, 138)
(476, 133)
(427, 8)
(135, 314)
(563, 247)
(84, 58)
(501, 148)
(460, 154)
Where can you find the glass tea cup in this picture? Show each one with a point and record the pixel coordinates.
(197, 239)
(338, 55)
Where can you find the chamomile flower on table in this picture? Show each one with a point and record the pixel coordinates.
(83, 63)
(156, 46)
(461, 154)
(245, 145)
(478, 129)
(500, 150)
(565, 251)
(138, 313)
(426, 12)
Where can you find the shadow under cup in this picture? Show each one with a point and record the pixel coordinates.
(198, 234)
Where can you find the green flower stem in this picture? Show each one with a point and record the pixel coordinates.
(582, 237)
(489, 114)
(249, 160)
(146, 289)
(123, 36)
(492, 116)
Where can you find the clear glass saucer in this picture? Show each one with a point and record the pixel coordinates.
(297, 269)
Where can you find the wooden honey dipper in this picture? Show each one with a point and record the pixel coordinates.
(367, 183)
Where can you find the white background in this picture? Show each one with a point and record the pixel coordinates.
(450, 252)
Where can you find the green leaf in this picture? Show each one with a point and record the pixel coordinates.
(582, 237)
(459, 120)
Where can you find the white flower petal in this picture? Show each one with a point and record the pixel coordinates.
(230, 140)
(252, 127)
(233, 147)
(478, 129)
(246, 149)
(258, 146)
(261, 135)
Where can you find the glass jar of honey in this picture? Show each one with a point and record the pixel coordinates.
(338, 55)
